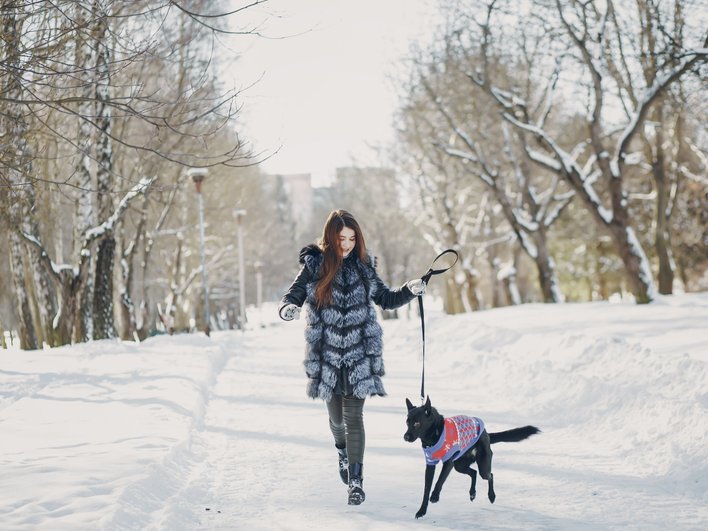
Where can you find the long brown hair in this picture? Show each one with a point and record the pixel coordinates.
(332, 256)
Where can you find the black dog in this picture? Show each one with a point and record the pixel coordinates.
(457, 441)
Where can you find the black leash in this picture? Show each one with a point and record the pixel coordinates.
(425, 278)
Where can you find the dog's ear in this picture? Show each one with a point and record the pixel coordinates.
(409, 405)
(427, 406)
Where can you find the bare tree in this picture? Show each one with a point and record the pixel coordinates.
(69, 280)
(529, 209)
(84, 92)
(655, 34)
(448, 206)
(577, 36)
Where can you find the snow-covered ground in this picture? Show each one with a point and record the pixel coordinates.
(190, 432)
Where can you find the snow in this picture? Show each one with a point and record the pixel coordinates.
(542, 159)
(189, 432)
(526, 224)
(645, 273)
(553, 213)
(528, 244)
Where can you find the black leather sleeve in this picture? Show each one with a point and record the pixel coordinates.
(390, 299)
(297, 293)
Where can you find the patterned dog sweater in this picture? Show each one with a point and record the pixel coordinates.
(460, 434)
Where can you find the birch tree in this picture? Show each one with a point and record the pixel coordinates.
(80, 80)
(17, 165)
(103, 295)
(85, 216)
(69, 280)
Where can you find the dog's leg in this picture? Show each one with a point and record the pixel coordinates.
(446, 468)
(429, 474)
(492, 495)
(463, 467)
(484, 462)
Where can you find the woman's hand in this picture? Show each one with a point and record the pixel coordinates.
(416, 286)
(290, 312)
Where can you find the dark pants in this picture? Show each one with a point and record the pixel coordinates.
(346, 420)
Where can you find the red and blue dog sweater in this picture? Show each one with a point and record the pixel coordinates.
(460, 434)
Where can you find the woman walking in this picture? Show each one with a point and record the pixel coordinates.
(338, 283)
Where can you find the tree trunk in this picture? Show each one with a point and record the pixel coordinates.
(103, 293)
(547, 277)
(453, 298)
(662, 244)
(17, 162)
(28, 336)
(83, 327)
(126, 309)
(662, 238)
(168, 318)
(494, 266)
(511, 290)
(85, 214)
(3, 343)
(66, 318)
(473, 295)
(42, 287)
(636, 264)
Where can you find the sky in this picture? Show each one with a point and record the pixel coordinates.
(322, 93)
(195, 433)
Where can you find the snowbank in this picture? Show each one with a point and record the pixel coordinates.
(188, 432)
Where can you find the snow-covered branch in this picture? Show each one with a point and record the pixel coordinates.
(569, 167)
(108, 225)
(55, 269)
(650, 95)
(553, 213)
(543, 160)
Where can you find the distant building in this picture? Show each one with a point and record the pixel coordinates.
(298, 188)
(372, 173)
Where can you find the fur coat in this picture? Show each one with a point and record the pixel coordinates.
(344, 341)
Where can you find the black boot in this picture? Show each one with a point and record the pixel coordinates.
(343, 465)
(356, 478)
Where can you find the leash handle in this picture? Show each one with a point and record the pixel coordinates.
(426, 278)
(431, 271)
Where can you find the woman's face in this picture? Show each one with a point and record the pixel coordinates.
(347, 241)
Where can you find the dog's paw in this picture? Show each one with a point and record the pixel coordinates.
(435, 497)
(421, 512)
(473, 495)
(492, 497)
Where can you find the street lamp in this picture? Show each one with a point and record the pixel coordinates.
(240, 213)
(198, 175)
(258, 266)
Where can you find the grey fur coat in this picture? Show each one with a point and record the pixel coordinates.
(344, 351)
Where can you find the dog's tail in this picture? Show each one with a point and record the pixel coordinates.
(515, 435)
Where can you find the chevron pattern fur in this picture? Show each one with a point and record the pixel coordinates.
(344, 334)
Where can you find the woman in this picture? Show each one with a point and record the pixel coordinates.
(338, 283)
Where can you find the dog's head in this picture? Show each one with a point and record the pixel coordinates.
(420, 420)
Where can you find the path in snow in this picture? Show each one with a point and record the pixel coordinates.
(264, 458)
(110, 435)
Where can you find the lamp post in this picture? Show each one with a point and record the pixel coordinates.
(258, 266)
(240, 213)
(198, 175)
